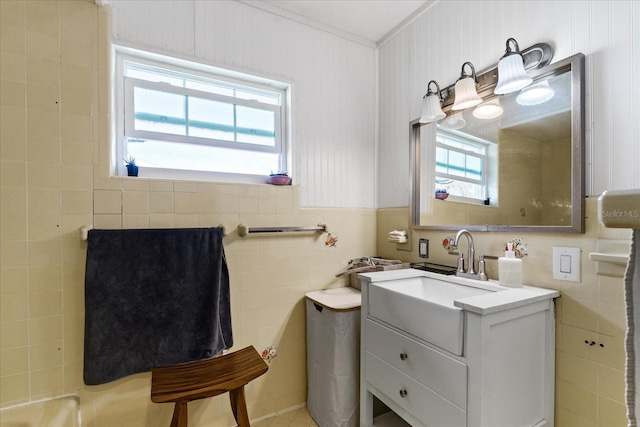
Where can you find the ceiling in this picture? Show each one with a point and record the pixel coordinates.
(366, 21)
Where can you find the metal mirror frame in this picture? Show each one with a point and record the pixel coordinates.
(576, 65)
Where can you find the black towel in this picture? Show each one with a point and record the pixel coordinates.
(153, 298)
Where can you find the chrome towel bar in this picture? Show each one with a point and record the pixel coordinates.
(244, 230)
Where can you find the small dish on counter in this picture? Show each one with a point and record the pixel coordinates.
(441, 195)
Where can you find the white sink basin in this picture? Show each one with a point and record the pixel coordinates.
(423, 307)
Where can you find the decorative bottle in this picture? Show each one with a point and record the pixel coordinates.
(510, 268)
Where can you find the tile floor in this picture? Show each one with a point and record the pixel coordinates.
(296, 418)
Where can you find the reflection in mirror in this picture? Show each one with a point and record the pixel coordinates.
(515, 162)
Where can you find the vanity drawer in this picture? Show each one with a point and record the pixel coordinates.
(418, 400)
(443, 374)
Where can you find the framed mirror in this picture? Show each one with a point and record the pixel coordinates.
(520, 171)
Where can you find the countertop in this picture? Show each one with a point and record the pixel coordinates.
(500, 299)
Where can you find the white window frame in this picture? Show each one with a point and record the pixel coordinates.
(468, 140)
(124, 128)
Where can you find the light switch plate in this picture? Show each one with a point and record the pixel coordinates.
(566, 264)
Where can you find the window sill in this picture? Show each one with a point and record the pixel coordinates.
(200, 176)
(190, 175)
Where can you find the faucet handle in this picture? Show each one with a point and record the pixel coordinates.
(461, 262)
(481, 273)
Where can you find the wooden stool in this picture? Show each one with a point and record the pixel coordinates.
(207, 378)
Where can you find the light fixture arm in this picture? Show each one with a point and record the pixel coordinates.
(430, 92)
(464, 75)
(508, 50)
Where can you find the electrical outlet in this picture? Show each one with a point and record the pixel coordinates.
(423, 248)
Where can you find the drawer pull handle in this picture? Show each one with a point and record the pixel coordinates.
(403, 356)
(403, 393)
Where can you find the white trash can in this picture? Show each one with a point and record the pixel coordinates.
(333, 357)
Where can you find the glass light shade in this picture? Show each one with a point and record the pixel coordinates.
(488, 110)
(466, 94)
(453, 122)
(511, 75)
(535, 94)
(431, 109)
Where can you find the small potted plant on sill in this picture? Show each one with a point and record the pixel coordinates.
(442, 194)
(132, 168)
(280, 178)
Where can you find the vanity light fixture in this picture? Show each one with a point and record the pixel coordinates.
(511, 73)
(431, 108)
(535, 94)
(490, 109)
(468, 91)
(454, 121)
(466, 94)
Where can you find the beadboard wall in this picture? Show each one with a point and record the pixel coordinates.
(436, 44)
(332, 80)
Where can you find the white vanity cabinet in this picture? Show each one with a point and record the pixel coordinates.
(500, 374)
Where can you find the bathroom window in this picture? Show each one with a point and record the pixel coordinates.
(461, 166)
(185, 120)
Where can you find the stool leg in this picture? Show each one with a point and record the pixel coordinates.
(179, 415)
(239, 406)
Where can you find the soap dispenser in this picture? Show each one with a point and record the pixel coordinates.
(510, 268)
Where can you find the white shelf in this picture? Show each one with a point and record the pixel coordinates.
(611, 257)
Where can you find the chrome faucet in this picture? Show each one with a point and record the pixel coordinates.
(471, 254)
(470, 272)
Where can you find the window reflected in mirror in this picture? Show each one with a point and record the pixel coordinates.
(461, 165)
